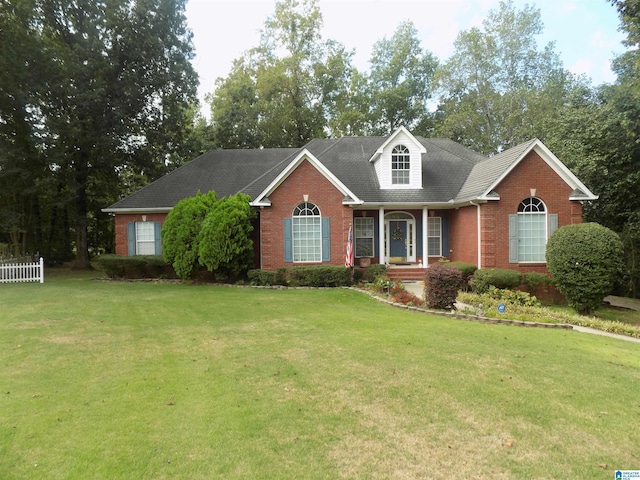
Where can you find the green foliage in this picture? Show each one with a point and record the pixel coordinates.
(261, 277)
(319, 276)
(467, 270)
(585, 261)
(224, 242)
(499, 278)
(401, 80)
(375, 271)
(533, 280)
(442, 284)
(139, 266)
(512, 297)
(499, 88)
(180, 232)
(399, 294)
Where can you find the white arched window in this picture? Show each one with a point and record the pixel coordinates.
(532, 230)
(307, 233)
(400, 165)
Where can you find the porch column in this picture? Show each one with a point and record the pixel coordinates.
(425, 237)
(381, 235)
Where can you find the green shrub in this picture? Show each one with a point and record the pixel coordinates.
(261, 277)
(375, 271)
(496, 277)
(139, 266)
(224, 242)
(180, 232)
(281, 276)
(533, 280)
(513, 297)
(442, 284)
(467, 270)
(319, 276)
(585, 260)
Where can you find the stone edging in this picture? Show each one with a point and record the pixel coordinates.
(464, 316)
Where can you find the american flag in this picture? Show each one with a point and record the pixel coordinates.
(348, 259)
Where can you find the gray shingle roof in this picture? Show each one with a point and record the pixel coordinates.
(451, 173)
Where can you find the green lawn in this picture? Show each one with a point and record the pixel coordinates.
(114, 380)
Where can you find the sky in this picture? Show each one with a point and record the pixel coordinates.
(585, 32)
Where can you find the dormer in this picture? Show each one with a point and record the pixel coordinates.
(398, 161)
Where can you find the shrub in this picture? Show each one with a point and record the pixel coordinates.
(139, 266)
(180, 232)
(467, 270)
(533, 280)
(442, 283)
(376, 271)
(261, 277)
(496, 277)
(513, 297)
(224, 243)
(585, 261)
(319, 276)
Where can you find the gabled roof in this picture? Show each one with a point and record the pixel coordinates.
(451, 174)
(488, 173)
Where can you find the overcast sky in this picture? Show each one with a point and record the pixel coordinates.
(585, 32)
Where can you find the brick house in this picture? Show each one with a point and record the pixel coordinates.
(410, 201)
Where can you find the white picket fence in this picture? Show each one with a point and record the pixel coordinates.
(22, 272)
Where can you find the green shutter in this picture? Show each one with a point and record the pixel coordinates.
(288, 244)
(553, 223)
(326, 241)
(131, 238)
(513, 238)
(157, 226)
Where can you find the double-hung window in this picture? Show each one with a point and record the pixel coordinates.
(364, 231)
(434, 236)
(144, 238)
(400, 165)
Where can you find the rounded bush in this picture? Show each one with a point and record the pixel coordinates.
(584, 260)
(442, 283)
(494, 277)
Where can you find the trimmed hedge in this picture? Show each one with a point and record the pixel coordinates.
(497, 277)
(316, 276)
(375, 271)
(442, 283)
(139, 266)
(467, 270)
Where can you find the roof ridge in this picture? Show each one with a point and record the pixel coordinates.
(259, 177)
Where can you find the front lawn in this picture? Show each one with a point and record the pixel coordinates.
(151, 380)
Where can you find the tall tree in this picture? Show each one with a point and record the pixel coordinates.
(401, 80)
(285, 91)
(116, 94)
(498, 88)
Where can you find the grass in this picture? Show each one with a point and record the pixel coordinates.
(163, 380)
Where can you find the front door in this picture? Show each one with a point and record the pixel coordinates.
(397, 241)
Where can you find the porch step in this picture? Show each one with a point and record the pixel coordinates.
(405, 273)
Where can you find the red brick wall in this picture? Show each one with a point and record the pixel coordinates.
(304, 180)
(121, 228)
(463, 235)
(531, 173)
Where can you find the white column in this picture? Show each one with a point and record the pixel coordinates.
(381, 234)
(425, 237)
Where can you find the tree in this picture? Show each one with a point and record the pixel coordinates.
(585, 263)
(224, 243)
(289, 89)
(498, 89)
(107, 86)
(401, 80)
(180, 232)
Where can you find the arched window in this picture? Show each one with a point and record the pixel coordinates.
(400, 165)
(532, 230)
(307, 233)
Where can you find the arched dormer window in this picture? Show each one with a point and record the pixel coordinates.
(400, 165)
(307, 233)
(532, 230)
